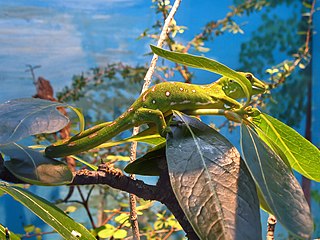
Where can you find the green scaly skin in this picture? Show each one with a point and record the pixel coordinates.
(156, 103)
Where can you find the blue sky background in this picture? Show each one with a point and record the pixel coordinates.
(70, 37)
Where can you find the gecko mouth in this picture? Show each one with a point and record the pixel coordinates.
(259, 87)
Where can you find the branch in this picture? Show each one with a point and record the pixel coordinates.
(147, 81)
(271, 227)
(162, 192)
(114, 178)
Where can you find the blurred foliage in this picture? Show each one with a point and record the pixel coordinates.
(285, 36)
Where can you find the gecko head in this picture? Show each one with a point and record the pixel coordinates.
(234, 90)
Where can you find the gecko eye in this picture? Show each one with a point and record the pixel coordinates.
(249, 77)
(231, 81)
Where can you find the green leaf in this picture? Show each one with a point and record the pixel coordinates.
(3, 232)
(149, 136)
(279, 187)
(93, 167)
(213, 187)
(49, 213)
(302, 155)
(122, 219)
(70, 209)
(120, 234)
(33, 167)
(80, 116)
(206, 64)
(106, 231)
(148, 164)
(29, 228)
(24, 117)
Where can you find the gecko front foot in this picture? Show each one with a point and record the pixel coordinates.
(165, 131)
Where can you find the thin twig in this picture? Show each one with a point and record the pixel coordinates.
(271, 227)
(86, 206)
(147, 81)
(308, 37)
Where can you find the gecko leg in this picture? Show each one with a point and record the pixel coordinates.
(156, 117)
(231, 102)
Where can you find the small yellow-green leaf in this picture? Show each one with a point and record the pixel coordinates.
(272, 71)
(145, 205)
(107, 232)
(71, 209)
(29, 228)
(122, 218)
(302, 66)
(120, 234)
(158, 225)
(302, 155)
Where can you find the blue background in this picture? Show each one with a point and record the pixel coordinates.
(70, 37)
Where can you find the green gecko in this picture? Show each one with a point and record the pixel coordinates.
(154, 105)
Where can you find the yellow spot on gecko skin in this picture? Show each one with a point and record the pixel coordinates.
(153, 88)
(130, 109)
(193, 90)
(71, 144)
(168, 93)
(181, 89)
(122, 116)
(153, 101)
(93, 135)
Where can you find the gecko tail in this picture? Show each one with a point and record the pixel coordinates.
(87, 139)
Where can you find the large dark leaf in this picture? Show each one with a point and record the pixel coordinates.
(23, 117)
(33, 167)
(148, 163)
(213, 187)
(277, 184)
(49, 213)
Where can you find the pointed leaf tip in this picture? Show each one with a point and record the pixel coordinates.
(277, 184)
